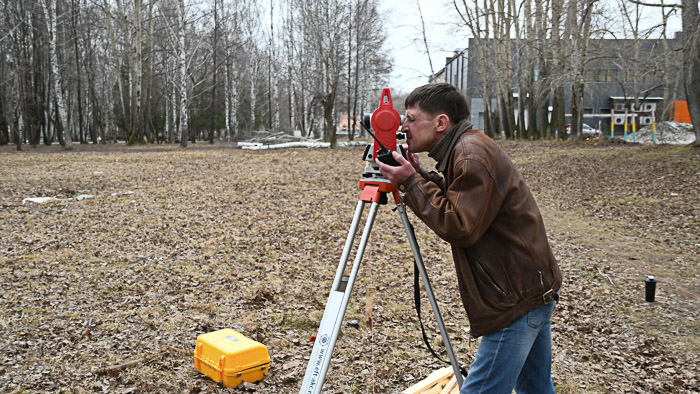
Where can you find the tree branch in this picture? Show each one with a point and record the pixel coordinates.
(655, 5)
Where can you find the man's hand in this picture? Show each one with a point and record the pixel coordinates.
(412, 158)
(397, 174)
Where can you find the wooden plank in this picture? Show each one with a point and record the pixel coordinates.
(439, 385)
(450, 385)
(430, 381)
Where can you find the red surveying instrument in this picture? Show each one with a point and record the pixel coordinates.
(375, 187)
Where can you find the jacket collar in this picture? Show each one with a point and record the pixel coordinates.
(440, 152)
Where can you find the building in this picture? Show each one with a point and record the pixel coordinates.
(620, 75)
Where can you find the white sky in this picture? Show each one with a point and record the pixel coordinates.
(405, 40)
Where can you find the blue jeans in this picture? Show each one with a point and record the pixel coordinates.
(518, 356)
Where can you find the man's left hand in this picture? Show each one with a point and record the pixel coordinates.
(396, 174)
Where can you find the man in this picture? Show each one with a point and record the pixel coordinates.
(508, 277)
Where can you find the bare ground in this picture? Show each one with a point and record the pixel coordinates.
(215, 237)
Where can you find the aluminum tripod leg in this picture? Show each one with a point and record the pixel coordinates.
(337, 305)
(429, 290)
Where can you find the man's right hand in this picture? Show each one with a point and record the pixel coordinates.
(396, 174)
(413, 158)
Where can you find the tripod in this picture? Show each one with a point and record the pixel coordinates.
(375, 189)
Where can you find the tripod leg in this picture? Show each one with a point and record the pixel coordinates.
(337, 304)
(429, 290)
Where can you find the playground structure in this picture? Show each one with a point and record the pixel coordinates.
(637, 111)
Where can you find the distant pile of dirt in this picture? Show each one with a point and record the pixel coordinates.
(668, 133)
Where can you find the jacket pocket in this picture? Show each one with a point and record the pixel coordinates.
(490, 281)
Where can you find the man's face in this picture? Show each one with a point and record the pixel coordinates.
(421, 130)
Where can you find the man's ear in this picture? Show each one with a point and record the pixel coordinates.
(443, 123)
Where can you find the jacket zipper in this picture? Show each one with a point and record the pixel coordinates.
(493, 282)
(542, 280)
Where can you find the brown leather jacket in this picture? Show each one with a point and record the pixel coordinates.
(483, 208)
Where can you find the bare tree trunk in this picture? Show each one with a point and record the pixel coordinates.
(543, 83)
(559, 72)
(305, 130)
(227, 100)
(4, 127)
(168, 107)
(328, 105)
(182, 64)
(274, 78)
(691, 62)
(215, 49)
(147, 98)
(110, 106)
(90, 67)
(349, 77)
(522, 63)
(667, 65)
(234, 101)
(4, 123)
(74, 22)
(50, 15)
(531, 57)
(580, 37)
(482, 44)
(291, 46)
(137, 75)
(37, 77)
(117, 62)
(358, 24)
(253, 72)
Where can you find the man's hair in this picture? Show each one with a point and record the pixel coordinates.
(440, 98)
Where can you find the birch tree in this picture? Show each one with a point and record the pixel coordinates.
(50, 13)
(476, 19)
(579, 20)
(182, 67)
(116, 56)
(558, 69)
(290, 45)
(273, 70)
(215, 50)
(5, 27)
(252, 29)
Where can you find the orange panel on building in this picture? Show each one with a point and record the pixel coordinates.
(679, 111)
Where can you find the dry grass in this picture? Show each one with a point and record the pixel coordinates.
(214, 237)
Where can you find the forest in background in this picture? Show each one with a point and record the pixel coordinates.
(183, 70)
(179, 71)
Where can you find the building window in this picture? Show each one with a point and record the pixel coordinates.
(623, 75)
(591, 75)
(609, 75)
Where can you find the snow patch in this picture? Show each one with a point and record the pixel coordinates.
(667, 133)
(38, 200)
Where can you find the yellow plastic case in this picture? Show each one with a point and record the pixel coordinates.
(228, 356)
